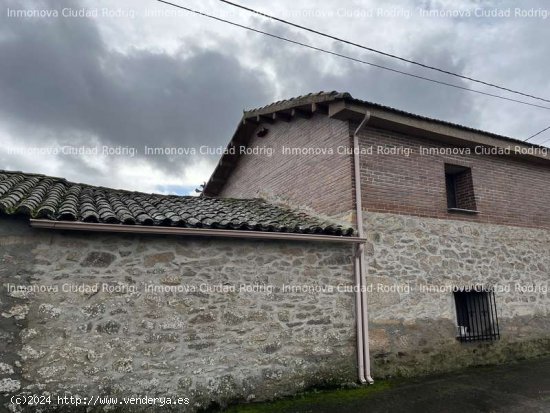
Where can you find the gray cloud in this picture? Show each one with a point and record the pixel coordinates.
(64, 81)
(61, 77)
(371, 83)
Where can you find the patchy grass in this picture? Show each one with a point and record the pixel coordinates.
(313, 398)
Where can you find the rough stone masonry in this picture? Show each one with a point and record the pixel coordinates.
(412, 262)
(122, 315)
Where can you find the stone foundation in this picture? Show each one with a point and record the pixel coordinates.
(129, 315)
(113, 334)
(413, 327)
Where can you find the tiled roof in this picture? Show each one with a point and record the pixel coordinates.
(322, 97)
(44, 197)
(304, 104)
(319, 97)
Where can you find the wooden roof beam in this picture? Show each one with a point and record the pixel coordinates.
(264, 118)
(299, 113)
(281, 116)
(247, 121)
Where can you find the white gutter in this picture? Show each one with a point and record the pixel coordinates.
(362, 315)
(198, 232)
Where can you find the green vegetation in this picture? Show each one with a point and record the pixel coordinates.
(310, 399)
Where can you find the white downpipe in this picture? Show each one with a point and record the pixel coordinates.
(359, 318)
(362, 307)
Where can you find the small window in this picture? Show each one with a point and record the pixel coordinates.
(460, 189)
(476, 315)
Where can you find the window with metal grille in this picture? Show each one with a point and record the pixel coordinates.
(476, 314)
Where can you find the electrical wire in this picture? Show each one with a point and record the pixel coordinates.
(370, 49)
(309, 46)
(537, 134)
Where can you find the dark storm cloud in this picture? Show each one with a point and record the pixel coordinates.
(323, 72)
(60, 76)
(61, 80)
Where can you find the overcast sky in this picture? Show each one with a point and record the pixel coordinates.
(139, 73)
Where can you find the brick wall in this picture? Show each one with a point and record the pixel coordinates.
(320, 181)
(465, 191)
(507, 190)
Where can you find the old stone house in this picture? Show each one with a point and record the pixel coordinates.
(457, 261)
(265, 286)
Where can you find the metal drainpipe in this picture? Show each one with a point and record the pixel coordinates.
(359, 318)
(363, 351)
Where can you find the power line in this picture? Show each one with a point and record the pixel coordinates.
(537, 134)
(351, 58)
(382, 52)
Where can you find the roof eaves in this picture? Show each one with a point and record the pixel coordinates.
(327, 97)
(195, 232)
(54, 199)
(257, 115)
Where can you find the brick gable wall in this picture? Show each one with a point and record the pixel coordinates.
(507, 190)
(322, 182)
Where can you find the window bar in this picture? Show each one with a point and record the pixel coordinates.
(467, 320)
(496, 316)
(470, 318)
(469, 315)
(490, 313)
(479, 311)
(489, 317)
(480, 298)
(477, 299)
(485, 316)
(464, 309)
(475, 313)
(482, 313)
(458, 316)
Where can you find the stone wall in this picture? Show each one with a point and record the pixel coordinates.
(413, 326)
(116, 336)
(167, 316)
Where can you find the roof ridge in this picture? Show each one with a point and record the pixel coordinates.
(334, 94)
(86, 185)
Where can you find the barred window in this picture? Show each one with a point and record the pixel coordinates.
(476, 314)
